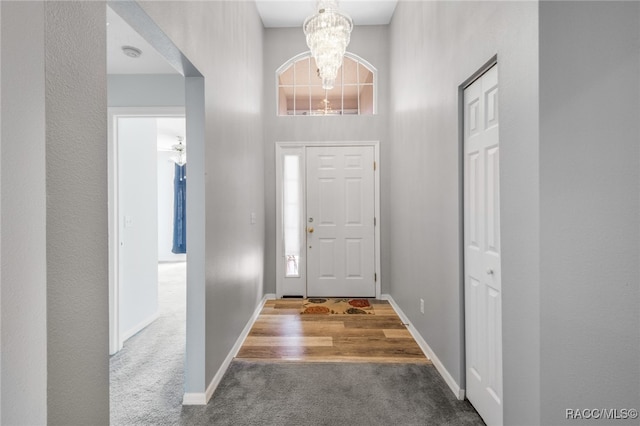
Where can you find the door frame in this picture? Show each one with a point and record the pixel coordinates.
(280, 150)
(116, 340)
(493, 61)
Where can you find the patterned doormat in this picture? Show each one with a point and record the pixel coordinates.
(337, 307)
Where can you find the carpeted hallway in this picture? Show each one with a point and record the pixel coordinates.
(147, 387)
(146, 376)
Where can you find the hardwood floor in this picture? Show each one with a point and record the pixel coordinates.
(281, 333)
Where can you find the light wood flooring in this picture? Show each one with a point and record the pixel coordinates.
(281, 333)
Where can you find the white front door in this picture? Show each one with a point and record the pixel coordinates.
(340, 217)
(483, 289)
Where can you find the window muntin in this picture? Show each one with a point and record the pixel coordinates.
(300, 92)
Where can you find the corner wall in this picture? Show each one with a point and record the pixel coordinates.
(435, 47)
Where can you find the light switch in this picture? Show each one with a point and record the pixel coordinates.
(253, 218)
(128, 221)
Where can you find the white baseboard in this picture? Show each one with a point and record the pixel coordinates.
(455, 388)
(137, 328)
(194, 399)
(203, 398)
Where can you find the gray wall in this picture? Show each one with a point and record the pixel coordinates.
(23, 272)
(159, 90)
(224, 42)
(281, 44)
(77, 246)
(435, 47)
(589, 207)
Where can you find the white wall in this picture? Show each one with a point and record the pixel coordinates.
(166, 174)
(138, 211)
(23, 272)
(281, 44)
(589, 207)
(435, 47)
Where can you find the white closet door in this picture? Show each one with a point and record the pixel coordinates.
(483, 287)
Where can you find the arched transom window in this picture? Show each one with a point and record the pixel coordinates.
(300, 92)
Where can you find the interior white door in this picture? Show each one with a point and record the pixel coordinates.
(137, 140)
(483, 289)
(340, 222)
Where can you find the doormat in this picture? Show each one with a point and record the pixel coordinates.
(337, 307)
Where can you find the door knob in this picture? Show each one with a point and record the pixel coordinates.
(310, 229)
(489, 271)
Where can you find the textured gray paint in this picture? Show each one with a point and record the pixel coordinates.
(281, 44)
(77, 257)
(160, 90)
(589, 189)
(23, 270)
(435, 47)
(224, 42)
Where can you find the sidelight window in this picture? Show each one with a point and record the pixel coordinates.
(292, 212)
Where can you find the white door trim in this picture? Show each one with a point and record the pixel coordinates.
(116, 340)
(280, 148)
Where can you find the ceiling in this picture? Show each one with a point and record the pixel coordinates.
(292, 13)
(274, 13)
(119, 34)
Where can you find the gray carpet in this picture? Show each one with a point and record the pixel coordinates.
(254, 393)
(146, 376)
(147, 387)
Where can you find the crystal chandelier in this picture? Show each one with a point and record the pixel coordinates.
(328, 33)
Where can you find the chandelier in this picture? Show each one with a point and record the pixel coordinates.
(328, 33)
(324, 108)
(181, 152)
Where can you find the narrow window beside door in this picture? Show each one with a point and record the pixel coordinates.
(292, 211)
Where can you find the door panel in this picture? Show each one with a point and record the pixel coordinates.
(483, 287)
(138, 222)
(340, 222)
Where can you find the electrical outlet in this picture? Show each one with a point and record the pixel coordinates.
(422, 306)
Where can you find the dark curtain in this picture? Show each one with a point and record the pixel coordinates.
(180, 210)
